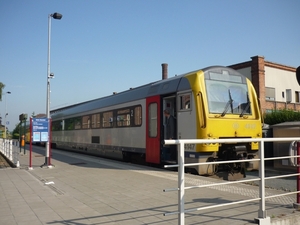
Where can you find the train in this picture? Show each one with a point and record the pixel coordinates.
(215, 102)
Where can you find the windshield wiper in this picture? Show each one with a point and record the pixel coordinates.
(229, 103)
(246, 107)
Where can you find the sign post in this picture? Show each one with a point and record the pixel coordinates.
(40, 133)
(30, 146)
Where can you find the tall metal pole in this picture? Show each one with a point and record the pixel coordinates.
(48, 89)
(57, 16)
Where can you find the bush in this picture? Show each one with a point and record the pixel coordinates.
(280, 116)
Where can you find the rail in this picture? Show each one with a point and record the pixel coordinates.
(10, 150)
(262, 218)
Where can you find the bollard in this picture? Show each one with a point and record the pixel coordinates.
(22, 143)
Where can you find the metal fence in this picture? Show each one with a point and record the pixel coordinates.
(262, 215)
(10, 149)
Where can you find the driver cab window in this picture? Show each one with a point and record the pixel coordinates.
(184, 102)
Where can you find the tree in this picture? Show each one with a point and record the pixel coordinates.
(1, 88)
(16, 132)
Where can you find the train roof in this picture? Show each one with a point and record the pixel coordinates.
(161, 87)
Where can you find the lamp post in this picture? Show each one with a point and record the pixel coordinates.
(6, 114)
(56, 16)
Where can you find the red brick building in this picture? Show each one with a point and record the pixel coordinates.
(276, 84)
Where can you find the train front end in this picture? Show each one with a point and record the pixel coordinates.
(226, 108)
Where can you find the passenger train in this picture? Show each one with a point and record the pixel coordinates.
(212, 103)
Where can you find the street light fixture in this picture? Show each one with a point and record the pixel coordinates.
(56, 16)
(6, 114)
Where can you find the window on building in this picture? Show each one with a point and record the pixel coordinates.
(297, 96)
(270, 94)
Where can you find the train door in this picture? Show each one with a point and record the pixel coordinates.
(153, 129)
(170, 104)
(169, 153)
(186, 116)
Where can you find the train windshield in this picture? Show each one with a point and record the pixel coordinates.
(227, 94)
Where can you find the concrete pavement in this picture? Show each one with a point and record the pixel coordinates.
(81, 190)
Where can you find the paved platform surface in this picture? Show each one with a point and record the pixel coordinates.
(81, 190)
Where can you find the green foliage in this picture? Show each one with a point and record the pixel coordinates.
(16, 132)
(281, 116)
(1, 89)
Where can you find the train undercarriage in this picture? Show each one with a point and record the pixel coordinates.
(227, 171)
(235, 170)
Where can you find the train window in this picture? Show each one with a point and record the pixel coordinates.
(107, 119)
(73, 123)
(77, 123)
(123, 117)
(138, 116)
(152, 120)
(86, 122)
(96, 120)
(57, 125)
(69, 124)
(227, 97)
(185, 102)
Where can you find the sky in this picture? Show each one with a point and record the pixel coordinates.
(105, 46)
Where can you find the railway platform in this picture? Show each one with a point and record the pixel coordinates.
(81, 190)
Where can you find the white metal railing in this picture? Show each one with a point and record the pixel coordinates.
(262, 215)
(10, 149)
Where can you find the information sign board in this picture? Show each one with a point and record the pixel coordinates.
(40, 129)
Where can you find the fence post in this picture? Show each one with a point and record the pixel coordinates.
(262, 214)
(10, 150)
(17, 154)
(297, 204)
(5, 148)
(298, 171)
(1, 141)
(180, 157)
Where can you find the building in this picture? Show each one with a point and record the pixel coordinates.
(275, 84)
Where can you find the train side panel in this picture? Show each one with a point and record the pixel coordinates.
(109, 142)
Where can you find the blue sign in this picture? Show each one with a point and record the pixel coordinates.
(40, 129)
